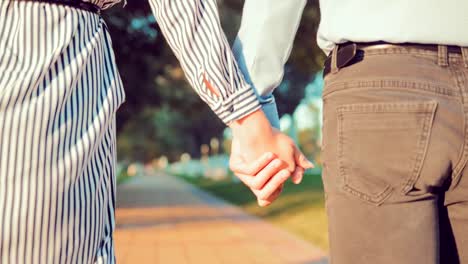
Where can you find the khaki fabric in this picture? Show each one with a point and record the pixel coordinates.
(394, 151)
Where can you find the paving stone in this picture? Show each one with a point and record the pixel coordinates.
(164, 220)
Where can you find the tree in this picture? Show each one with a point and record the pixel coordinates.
(156, 88)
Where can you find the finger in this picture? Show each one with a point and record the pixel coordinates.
(262, 177)
(256, 182)
(238, 165)
(301, 160)
(297, 175)
(273, 184)
(263, 203)
(272, 197)
(246, 179)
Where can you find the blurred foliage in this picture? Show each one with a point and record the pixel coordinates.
(309, 139)
(162, 114)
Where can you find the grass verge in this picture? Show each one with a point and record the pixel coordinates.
(300, 209)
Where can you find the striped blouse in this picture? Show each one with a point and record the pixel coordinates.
(193, 30)
(59, 92)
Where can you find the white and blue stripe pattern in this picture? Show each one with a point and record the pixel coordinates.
(192, 29)
(59, 90)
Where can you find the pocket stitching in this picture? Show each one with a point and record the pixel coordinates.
(422, 146)
(386, 107)
(376, 199)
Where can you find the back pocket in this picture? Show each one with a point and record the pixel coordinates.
(381, 146)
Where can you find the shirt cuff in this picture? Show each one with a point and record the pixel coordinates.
(240, 104)
(270, 109)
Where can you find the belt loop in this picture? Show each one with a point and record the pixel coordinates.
(465, 55)
(334, 60)
(442, 56)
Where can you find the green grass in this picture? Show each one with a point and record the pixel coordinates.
(122, 175)
(300, 209)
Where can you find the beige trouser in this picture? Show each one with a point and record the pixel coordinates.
(395, 148)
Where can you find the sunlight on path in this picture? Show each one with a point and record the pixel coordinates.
(161, 219)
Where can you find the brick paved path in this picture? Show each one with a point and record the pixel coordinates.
(161, 219)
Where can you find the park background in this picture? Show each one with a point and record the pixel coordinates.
(164, 126)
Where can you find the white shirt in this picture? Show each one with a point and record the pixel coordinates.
(397, 21)
(267, 32)
(269, 26)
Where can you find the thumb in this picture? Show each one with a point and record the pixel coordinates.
(236, 158)
(301, 160)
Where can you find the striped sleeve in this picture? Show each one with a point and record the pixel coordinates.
(193, 30)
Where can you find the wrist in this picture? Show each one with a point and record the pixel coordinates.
(251, 126)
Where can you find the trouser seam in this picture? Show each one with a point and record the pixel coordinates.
(423, 145)
(376, 84)
(461, 163)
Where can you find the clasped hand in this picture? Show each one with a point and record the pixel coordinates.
(264, 158)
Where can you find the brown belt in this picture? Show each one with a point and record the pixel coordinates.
(351, 52)
(72, 3)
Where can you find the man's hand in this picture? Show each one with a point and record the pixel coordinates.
(254, 136)
(264, 158)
